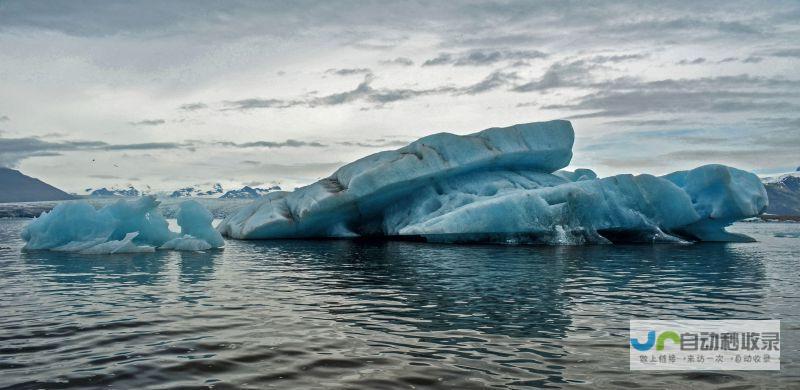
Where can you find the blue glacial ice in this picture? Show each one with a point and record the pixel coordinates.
(121, 227)
(503, 185)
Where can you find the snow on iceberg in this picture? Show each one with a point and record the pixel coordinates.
(121, 227)
(503, 185)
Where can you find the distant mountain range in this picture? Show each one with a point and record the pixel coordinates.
(248, 192)
(784, 194)
(113, 191)
(196, 191)
(16, 187)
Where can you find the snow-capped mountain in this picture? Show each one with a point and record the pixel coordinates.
(784, 194)
(195, 191)
(113, 191)
(248, 192)
(198, 191)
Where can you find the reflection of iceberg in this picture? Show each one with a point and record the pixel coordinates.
(121, 227)
(502, 185)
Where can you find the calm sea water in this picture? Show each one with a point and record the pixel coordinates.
(345, 314)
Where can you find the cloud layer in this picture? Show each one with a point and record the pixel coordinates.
(193, 88)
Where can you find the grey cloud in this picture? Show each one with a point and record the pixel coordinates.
(655, 27)
(747, 60)
(560, 75)
(289, 143)
(624, 103)
(148, 122)
(737, 27)
(4, 118)
(441, 59)
(369, 42)
(144, 146)
(483, 57)
(617, 58)
(786, 53)
(348, 71)
(378, 143)
(722, 94)
(493, 40)
(248, 104)
(364, 92)
(493, 81)
(479, 58)
(474, 24)
(644, 122)
(193, 106)
(14, 150)
(783, 123)
(402, 61)
(696, 61)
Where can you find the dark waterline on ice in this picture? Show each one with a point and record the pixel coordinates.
(371, 314)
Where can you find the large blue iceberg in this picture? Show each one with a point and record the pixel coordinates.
(503, 185)
(121, 227)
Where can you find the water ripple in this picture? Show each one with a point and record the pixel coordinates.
(381, 315)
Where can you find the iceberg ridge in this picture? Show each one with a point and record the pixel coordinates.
(503, 185)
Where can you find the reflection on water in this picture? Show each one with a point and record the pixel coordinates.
(299, 314)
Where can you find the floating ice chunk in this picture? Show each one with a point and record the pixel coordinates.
(195, 221)
(364, 188)
(499, 185)
(721, 195)
(69, 222)
(121, 227)
(186, 243)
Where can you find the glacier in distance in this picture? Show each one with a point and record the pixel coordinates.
(503, 185)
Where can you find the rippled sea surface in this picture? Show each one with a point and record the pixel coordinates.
(348, 314)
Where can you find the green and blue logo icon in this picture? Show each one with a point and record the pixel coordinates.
(657, 342)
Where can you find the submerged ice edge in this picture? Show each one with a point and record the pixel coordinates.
(502, 185)
(122, 227)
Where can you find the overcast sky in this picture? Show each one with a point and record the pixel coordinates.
(171, 93)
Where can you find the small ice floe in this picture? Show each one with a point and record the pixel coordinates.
(122, 227)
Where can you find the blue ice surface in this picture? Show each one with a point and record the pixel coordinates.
(504, 185)
(126, 226)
